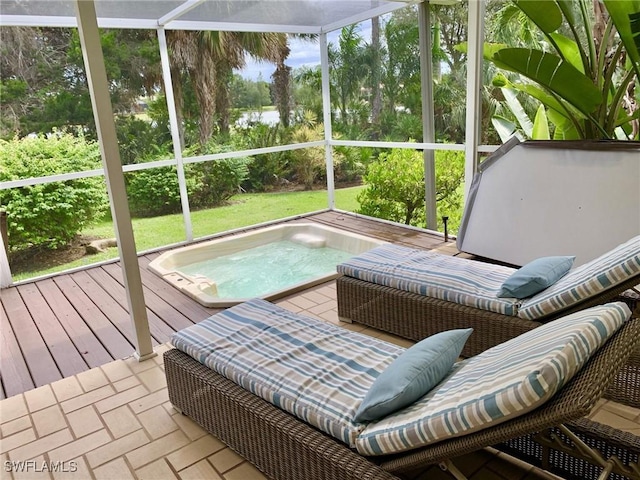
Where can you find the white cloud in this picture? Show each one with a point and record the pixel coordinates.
(303, 53)
(255, 70)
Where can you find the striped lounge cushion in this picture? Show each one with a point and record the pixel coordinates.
(501, 383)
(587, 280)
(316, 371)
(458, 280)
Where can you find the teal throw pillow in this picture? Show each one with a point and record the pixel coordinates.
(410, 376)
(535, 276)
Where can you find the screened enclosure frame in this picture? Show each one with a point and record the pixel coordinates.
(296, 17)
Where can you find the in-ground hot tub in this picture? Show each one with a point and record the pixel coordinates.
(269, 263)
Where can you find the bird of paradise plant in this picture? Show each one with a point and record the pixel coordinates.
(587, 80)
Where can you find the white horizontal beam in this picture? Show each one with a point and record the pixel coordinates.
(37, 21)
(411, 145)
(171, 21)
(63, 177)
(240, 27)
(134, 167)
(152, 24)
(135, 23)
(254, 151)
(487, 148)
(72, 22)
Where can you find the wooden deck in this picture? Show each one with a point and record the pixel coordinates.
(69, 323)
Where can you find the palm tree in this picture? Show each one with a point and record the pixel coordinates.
(209, 58)
(376, 74)
(282, 91)
(348, 69)
(183, 60)
(230, 50)
(282, 79)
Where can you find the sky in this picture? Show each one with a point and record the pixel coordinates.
(303, 53)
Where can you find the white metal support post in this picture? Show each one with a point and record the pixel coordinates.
(475, 28)
(175, 133)
(326, 111)
(428, 128)
(105, 125)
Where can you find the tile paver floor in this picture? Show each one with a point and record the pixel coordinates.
(116, 422)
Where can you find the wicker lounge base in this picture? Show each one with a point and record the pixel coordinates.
(285, 448)
(415, 317)
(553, 451)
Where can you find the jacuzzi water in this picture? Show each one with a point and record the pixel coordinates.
(257, 271)
(270, 262)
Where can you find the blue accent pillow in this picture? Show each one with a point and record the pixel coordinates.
(410, 376)
(535, 276)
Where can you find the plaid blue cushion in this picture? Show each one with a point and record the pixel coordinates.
(458, 280)
(587, 280)
(501, 383)
(316, 371)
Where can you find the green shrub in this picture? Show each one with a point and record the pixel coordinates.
(350, 163)
(308, 162)
(141, 141)
(216, 181)
(449, 187)
(156, 191)
(269, 169)
(153, 192)
(212, 183)
(395, 187)
(50, 215)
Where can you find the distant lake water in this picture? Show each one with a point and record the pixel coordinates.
(270, 117)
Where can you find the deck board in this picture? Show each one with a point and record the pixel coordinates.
(105, 332)
(384, 231)
(111, 309)
(90, 348)
(87, 311)
(34, 350)
(62, 349)
(160, 331)
(13, 368)
(164, 312)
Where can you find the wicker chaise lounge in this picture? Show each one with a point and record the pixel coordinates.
(285, 447)
(368, 293)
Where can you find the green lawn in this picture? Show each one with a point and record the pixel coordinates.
(243, 210)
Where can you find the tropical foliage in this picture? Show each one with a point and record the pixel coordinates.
(308, 162)
(583, 67)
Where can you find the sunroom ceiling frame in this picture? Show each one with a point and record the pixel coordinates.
(178, 12)
(376, 12)
(172, 20)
